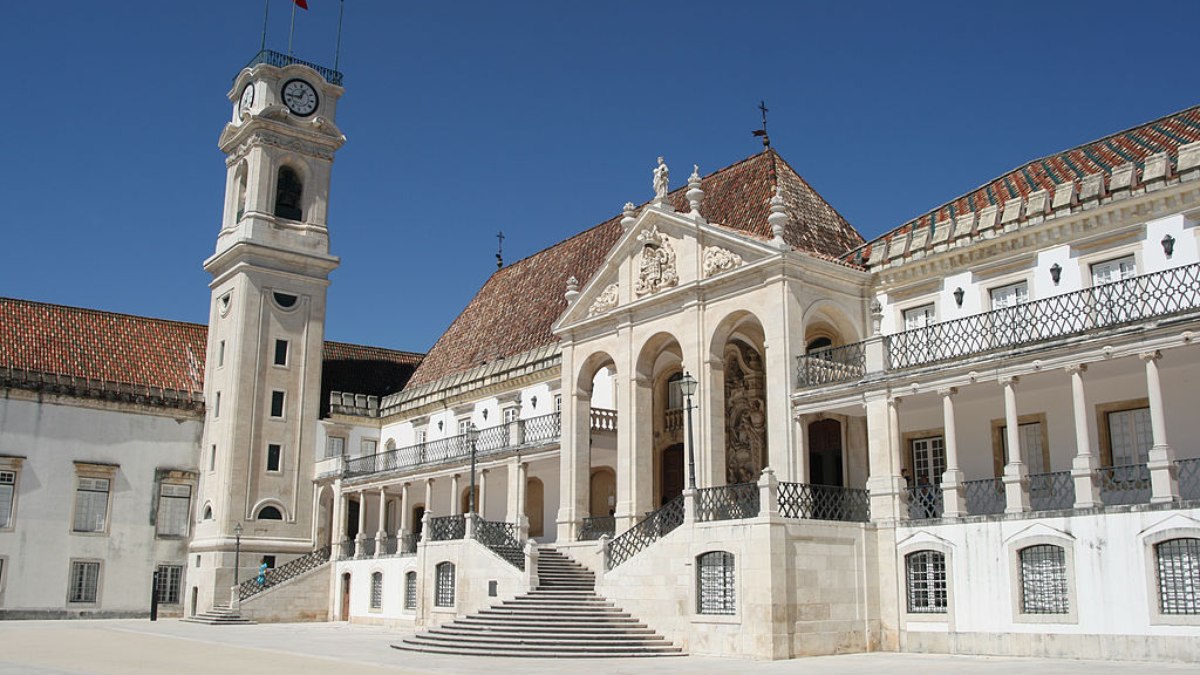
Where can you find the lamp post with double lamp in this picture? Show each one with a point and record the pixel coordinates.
(237, 553)
(472, 437)
(687, 387)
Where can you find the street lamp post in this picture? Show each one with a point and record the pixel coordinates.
(237, 553)
(687, 387)
(472, 437)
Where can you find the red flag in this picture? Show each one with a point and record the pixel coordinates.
(302, 4)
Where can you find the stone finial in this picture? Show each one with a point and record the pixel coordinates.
(662, 181)
(778, 219)
(572, 290)
(630, 216)
(876, 317)
(695, 194)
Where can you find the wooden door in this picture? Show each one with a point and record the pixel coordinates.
(672, 473)
(825, 453)
(535, 508)
(345, 615)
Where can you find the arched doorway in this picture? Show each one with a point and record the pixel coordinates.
(466, 500)
(671, 484)
(825, 453)
(603, 492)
(345, 615)
(535, 509)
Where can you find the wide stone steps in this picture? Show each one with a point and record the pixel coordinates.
(219, 615)
(562, 617)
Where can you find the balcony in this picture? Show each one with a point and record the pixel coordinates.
(279, 60)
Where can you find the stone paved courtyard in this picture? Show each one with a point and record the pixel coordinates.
(136, 647)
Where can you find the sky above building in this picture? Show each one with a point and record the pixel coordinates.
(538, 119)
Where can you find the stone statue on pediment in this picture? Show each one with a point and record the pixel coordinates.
(662, 179)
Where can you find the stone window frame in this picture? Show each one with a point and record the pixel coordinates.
(287, 353)
(1149, 543)
(928, 543)
(12, 464)
(93, 470)
(439, 586)
(163, 476)
(697, 609)
(1103, 434)
(180, 584)
(282, 416)
(267, 459)
(1067, 544)
(375, 590)
(1086, 261)
(278, 505)
(998, 424)
(411, 600)
(95, 602)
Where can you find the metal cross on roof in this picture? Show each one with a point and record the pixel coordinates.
(762, 133)
(500, 250)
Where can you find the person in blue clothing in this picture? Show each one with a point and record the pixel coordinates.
(262, 574)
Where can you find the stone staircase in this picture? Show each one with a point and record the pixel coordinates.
(562, 617)
(219, 615)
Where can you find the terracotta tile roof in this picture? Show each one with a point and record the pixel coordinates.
(513, 312)
(142, 353)
(1134, 145)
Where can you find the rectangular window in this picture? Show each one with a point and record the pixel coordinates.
(217, 406)
(269, 561)
(1033, 452)
(1178, 576)
(8, 496)
(368, 446)
(1116, 294)
(919, 346)
(443, 592)
(1113, 270)
(1129, 436)
(558, 403)
(510, 414)
(927, 589)
(918, 317)
(715, 592)
(174, 502)
(463, 424)
(1044, 587)
(281, 352)
(335, 446)
(277, 404)
(169, 581)
(1010, 323)
(377, 590)
(928, 460)
(220, 353)
(212, 458)
(421, 435)
(274, 452)
(91, 505)
(410, 590)
(85, 582)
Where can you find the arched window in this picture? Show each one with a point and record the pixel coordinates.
(714, 583)
(288, 191)
(207, 512)
(674, 395)
(410, 590)
(269, 513)
(1044, 588)
(376, 590)
(926, 582)
(1178, 562)
(818, 343)
(241, 191)
(443, 591)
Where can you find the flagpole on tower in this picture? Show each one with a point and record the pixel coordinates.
(266, 13)
(292, 29)
(337, 50)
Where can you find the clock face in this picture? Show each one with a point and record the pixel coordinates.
(300, 97)
(247, 98)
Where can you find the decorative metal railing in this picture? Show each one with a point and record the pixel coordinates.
(1128, 484)
(274, 58)
(289, 570)
(649, 530)
(447, 528)
(604, 419)
(727, 502)
(985, 496)
(501, 538)
(831, 365)
(366, 548)
(1187, 473)
(925, 502)
(823, 502)
(346, 549)
(595, 527)
(1109, 305)
(492, 440)
(400, 546)
(1051, 491)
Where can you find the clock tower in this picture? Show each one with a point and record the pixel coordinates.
(266, 324)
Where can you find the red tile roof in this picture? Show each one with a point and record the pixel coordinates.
(1134, 145)
(513, 312)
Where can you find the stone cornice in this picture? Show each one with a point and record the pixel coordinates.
(76, 391)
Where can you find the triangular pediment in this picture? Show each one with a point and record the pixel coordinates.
(661, 252)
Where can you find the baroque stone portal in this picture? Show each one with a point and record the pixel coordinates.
(745, 413)
(656, 269)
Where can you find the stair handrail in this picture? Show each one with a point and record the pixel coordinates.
(499, 537)
(289, 570)
(649, 530)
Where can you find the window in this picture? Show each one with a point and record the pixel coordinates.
(410, 590)
(558, 403)
(335, 446)
(1010, 324)
(1044, 589)
(1110, 271)
(443, 593)
(510, 414)
(919, 347)
(1129, 436)
(368, 446)
(269, 561)
(217, 406)
(918, 317)
(91, 505)
(174, 502)
(274, 455)
(927, 589)
(674, 395)
(8, 495)
(169, 581)
(85, 581)
(284, 300)
(269, 513)
(421, 436)
(207, 512)
(281, 352)
(1033, 451)
(220, 353)
(288, 191)
(376, 590)
(1178, 562)
(1115, 291)
(928, 460)
(277, 404)
(463, 425)
(714, 583)
(212, 458)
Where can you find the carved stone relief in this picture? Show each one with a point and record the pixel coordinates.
(745, 413)
(717, 260)
(656, 268)
(605, 301)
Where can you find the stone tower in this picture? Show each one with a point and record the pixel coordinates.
(266, 324)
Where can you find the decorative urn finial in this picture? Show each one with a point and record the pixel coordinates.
(630, 216)
(572, 290)
(695, 194)
(778, 219)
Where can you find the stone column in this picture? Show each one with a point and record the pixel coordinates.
(800, 459)
(574, 461)
(883, 441)
(339, 520)
(361, 540)
(1016, 472)
(381, 531)
(954, 501)
(522, 521)
(1083, 466)
(405, 507)
(455, 499)
(768, 494)
(481, 498)
(1164, 487)
(429, 496)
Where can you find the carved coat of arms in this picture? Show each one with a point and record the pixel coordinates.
(656, 267)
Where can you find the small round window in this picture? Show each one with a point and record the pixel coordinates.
(284, 300)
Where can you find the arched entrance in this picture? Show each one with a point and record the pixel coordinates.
(603, 491)
(535, 508)
(671, 483)
(825, 453)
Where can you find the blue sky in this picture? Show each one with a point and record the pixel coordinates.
(536, 118)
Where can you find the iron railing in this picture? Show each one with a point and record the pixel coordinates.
(500, 538)
(651, 528)
(400, 546)
(823, 502)
(492, 440)
(1127, 484)
(984, 496)
(727, 502)
(274, 58)
(289, 570)
(925, 502)
(1187, 472)
(597, 526)
(447, 528)
(1104, 306)
(346, 549)
(603, 419)
(1051, 491)
(367, 548)
(831, 365)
